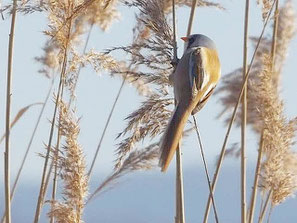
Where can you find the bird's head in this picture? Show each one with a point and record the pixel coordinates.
(198, 40)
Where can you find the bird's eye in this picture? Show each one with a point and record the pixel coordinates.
(191, 40)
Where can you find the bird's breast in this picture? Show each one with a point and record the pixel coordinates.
(211, 64)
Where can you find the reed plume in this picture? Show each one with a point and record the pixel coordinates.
(151, 56)
(72, 165)
(278, 173)
(230, 84)
(266, 5)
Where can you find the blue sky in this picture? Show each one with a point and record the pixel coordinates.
(147, 196)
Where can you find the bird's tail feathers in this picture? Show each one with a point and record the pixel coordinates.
(172, 136)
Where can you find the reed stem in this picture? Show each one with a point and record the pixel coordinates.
(43, 185)
(191, 18)
(256, 179)
(274, 36)
(7, 121)
(244, 116)
(180, 211)
(28, 147)
(206, 169)
(55, 163)
(263, 212)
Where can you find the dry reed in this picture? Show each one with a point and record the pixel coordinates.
(150, 119)
(244, 115)
(266, 5)
(278, 172)
(7, 115)
(72, 167)
(61, 39)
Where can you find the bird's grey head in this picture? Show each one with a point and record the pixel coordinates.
(197, 40)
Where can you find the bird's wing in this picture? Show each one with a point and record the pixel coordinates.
(197, 75)
(199, 78)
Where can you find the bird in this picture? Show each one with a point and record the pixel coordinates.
(194, 79)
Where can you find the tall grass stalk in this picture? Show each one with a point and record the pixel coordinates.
(29, 146)
(42, 185)
(7, 123)
(244, 115)
(275, 29)
(263, 211)
(206, 169)
(55, 163)
(180, 211)
(43, 179)
(180, 207)
(256, 180)
(191, 18)
(223, 150)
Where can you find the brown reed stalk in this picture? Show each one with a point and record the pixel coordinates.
(270, 212)
(42, 185)
(192, 15)
(256, 180)
(223, 150)
(244, 115)
(206, 170)
(61, 84)
(263, 211)
(180, 209)
(28, 147)
(274, 36)
(55, 165)
(7, 123)
(55, 160)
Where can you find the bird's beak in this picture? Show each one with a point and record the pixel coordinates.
(186, 39)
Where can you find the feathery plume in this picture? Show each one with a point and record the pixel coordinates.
(230, 84)
(266, 5)
(101, 13)
(278, 173)
(72, 171)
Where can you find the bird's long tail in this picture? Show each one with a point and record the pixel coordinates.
(173, 135)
